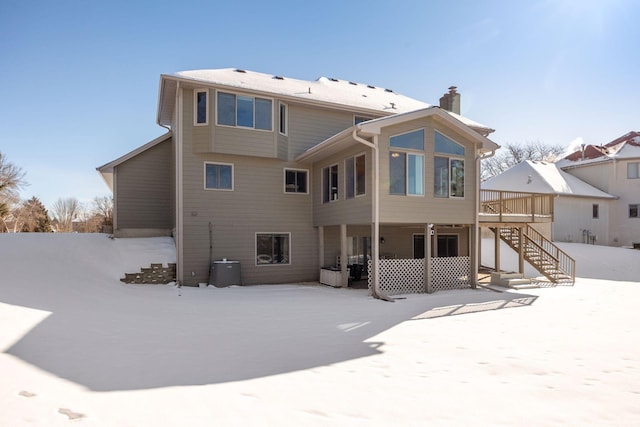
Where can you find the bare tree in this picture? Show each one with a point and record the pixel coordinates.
(103, 207)
(11, 181)
(512, 154)
(64, 211)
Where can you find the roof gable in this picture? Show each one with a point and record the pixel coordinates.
(541, 177)
(626, 146)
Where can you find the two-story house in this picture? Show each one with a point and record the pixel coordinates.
(615, 169)
(289, 176)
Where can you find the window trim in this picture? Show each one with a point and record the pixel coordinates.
(284, 179)
(355, 177)
(271, 233)
(195, 107)
(282, 105)
(254, 97)
(233, 180)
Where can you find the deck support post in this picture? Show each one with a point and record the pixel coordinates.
(496, 248)
(321, 246)
(344, 259)
(427, 257)
(520, 251)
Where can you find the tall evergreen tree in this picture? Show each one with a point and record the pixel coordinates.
(36, 217)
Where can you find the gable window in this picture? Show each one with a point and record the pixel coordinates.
(634, 211)
(595, 211)
(295, 181)
(272, 248)
(201, 108)
(448, 171)
(330, 184)
(354, 169)
(406, 168)
(218, 176)
(633, 170)
(244, 111)
(283, 119)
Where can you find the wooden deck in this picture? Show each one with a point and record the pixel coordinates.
(503, 207)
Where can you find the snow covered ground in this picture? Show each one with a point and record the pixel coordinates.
(78, 346)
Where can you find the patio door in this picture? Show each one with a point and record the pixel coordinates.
(418, 246)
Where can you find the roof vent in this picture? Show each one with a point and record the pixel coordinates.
(278, 77)
(353, 83)
(239, 70)
(333, 80)
(388, 90)
(371, 87)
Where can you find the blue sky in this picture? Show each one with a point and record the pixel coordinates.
(79, 79)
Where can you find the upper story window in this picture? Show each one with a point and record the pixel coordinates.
(201, 107)
(283, 119)
(448, 171)
(633, 170)
(595, 211)
(354, 170)
(295, 181)
(406, 163)
(244, 111)
(218, 176)
(634, 211)
(330, 184)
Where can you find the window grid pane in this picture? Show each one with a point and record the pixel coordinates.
(415, 177)
(201, 113)
(397, 173)
(349, 170)
(457, 178)
(219, 177)
(446, 145)
(226, 109)
(633, 170)
(245, 111)
(412, 140)
(441, 177)
(263, 114)
(360, 175)
(295, 181)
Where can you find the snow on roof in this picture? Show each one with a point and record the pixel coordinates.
(624, 147)
(325, 90)
(542, 177)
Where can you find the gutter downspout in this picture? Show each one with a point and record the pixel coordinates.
(375, 211)
(478, 241)
(179, 199)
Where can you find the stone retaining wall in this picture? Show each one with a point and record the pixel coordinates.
(156, 274)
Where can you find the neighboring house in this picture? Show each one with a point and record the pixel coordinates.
(289, 176)
(615, 169)
(581, 211)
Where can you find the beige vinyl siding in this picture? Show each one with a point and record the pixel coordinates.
(310, 126)
(258, 204)
(573, 215)
(144, 189)
(427, 208)
(343, 211)
(599, 175)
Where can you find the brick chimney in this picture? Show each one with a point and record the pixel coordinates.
(451, 101)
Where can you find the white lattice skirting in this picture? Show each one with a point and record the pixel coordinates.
(450, 273)
(406, 276)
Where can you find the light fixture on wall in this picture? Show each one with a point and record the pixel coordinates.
(394, 154)
(382, 240)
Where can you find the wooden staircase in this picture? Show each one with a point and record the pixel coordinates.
(553, 263)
